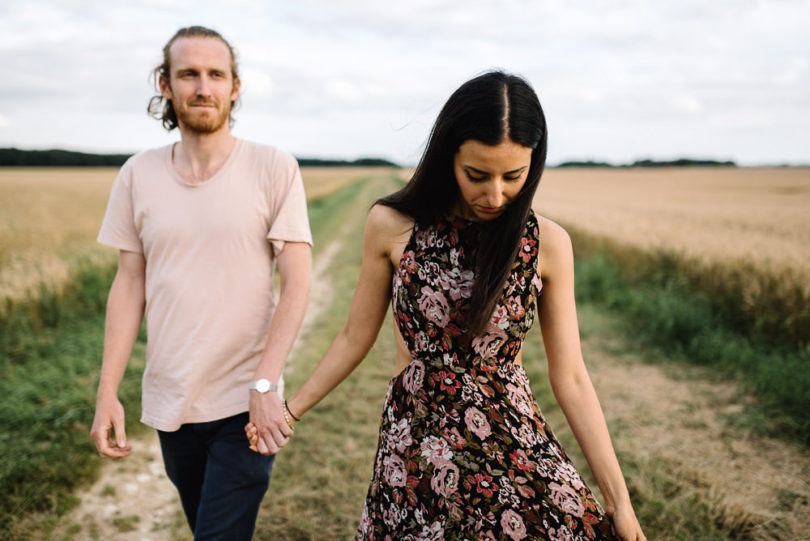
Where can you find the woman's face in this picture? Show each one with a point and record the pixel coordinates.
(489, 177)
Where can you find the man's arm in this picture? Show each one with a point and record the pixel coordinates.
(294, 269)
(125, 307)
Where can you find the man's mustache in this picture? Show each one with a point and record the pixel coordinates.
(203, 102)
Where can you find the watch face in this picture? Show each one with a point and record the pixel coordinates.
(262, 385)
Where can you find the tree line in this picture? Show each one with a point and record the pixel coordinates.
(13, 157)
(681, 162)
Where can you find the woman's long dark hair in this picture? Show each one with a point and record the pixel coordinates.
(490, 108)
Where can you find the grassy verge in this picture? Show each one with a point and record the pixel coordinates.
(50, 350)
(682, 313)
(320, 480)
(770, 308)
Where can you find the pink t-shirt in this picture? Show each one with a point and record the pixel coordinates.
(209, 250)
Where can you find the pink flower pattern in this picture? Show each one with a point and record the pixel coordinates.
(464, 452)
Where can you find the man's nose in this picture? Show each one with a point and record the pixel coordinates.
(203, 87)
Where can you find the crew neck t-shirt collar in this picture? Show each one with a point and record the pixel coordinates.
(221, 172)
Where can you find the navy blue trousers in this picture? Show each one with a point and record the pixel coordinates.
(221, 482)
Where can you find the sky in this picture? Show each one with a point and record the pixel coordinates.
(619, 80)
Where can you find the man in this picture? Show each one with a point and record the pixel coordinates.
(200, 225)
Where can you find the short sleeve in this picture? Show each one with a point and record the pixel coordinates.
(118, 228)
(291, 223)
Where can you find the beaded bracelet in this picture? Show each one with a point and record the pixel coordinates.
(287, 416)
(291, 413)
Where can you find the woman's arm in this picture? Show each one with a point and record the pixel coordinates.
(294, 263)
(366, 314)
(569, 378)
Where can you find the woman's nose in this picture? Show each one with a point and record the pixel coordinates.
(495, 194)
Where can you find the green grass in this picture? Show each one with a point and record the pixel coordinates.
(51, 350)
(320, 479)
(770, 309)
(659, 308)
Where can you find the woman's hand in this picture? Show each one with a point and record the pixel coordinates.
(626, 524)
(252, 434)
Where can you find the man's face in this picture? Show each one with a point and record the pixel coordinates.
(200, 85)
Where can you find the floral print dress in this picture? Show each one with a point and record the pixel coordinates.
(464, 452)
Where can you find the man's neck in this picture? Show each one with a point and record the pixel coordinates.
(199, 156)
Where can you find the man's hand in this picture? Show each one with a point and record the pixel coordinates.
(267, 417)
(109, 418)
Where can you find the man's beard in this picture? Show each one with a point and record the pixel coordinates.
(203, 124)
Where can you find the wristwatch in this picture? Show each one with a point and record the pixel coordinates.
(262, 385)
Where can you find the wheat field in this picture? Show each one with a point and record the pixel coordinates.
(49, 219)
(716, 215)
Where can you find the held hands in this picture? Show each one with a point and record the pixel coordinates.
(267, 430)
(109, 418)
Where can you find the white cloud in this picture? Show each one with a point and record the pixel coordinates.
(687, 104)
(793, 72)
(256, 83)
(355, 77)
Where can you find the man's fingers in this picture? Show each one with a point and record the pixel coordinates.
(279, 437)
(106, 449)
(272, 440)
(120, 433)
(263, 448)
(100, 439)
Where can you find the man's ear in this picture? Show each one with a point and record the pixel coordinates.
(165, 87)
(237, 87)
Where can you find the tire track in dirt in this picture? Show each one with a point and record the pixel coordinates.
(132, 499)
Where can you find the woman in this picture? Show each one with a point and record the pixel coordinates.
(464, 451)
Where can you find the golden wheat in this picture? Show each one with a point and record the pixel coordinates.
(717, 215)
(49, 219)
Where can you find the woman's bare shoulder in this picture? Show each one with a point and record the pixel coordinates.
(388, 220)
(387, 232)
(555, 245)
(552, 234)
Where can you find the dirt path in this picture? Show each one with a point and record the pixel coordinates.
(672, 423)
(132, 499)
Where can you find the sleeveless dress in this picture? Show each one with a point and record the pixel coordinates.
(464, 452)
